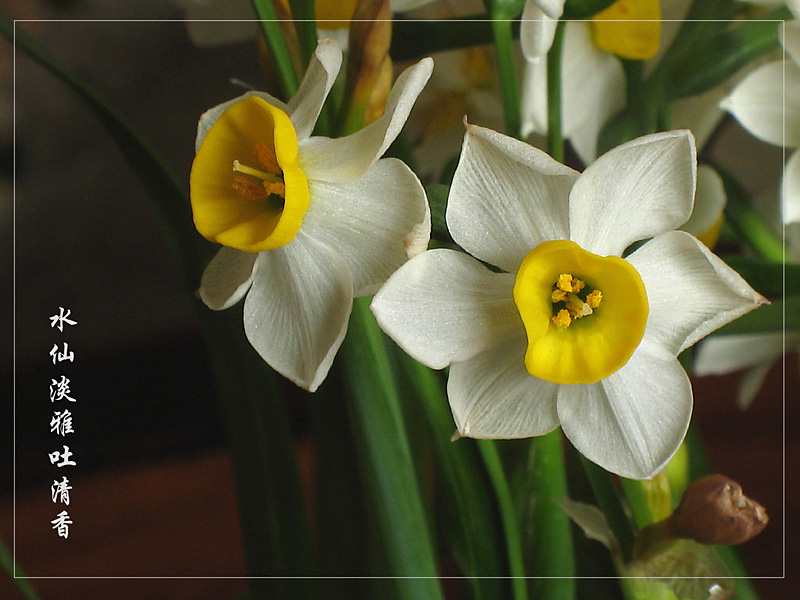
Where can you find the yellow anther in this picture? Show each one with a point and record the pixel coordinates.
(594, 299)
(577, 285)
(558, 296)
(278, 188)
(249, 188)
(565, 282)
(562, 319)
(267, 159)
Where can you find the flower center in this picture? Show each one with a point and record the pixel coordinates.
(565, 291)
(629, 28)
(576, 332)
(258, 204)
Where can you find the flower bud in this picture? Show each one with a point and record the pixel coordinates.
(713, 510)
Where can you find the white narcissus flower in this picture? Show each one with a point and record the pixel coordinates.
(767, 104)
(308, 222)
(592, 76)
(568, 333)
(756, 352)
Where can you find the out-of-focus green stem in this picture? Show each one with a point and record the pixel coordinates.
(555, 138)
(609, 502)
(15, 572)
(305, 24)
(494, 466)
(553, 555)
(277, 46)
(748, 222)
(504, 46)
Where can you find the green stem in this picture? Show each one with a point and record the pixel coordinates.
(555, 138)
(506, 67)
(637, 500)
(277, 45)
(305, 24)
(494, 466)
(15, 572)
(385, 457)
(553, 555)
(609, 502)
(741, 214)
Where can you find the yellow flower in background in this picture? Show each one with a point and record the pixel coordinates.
(307, 223)
(568, 332)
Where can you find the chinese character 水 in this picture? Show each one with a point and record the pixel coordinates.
(61, 523)
(59, 390)
(61, 318)
(61, 356)
(61, 423)
(60, 490)
(64, 456)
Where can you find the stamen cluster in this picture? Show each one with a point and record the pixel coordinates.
(566, 290)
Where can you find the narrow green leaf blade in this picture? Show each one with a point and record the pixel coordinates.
(385, 458)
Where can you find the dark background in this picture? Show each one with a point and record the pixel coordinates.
(153, 489)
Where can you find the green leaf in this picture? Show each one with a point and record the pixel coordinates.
(170, 198)
(274, 524)
(472, 522)
(411, 40)
(717, 55)
(551, 532)
(771, 318)
(271, 29)
(583, 9)
(385, 458)
(437, 199)
(767, 277)
(305, 24)
(14, 571)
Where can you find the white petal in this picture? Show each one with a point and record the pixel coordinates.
(691, 292)
(534, 97)
(444, 306)
(368, 220)
(552, 8)
(592, 88)
(507, 197)
(227, 278)
(208, 118)
(751, 384)
(635, 191)
(791, 190)
(348, 158)
(296, 313)
(721, 354)
(537, 30)
(790, 39)
(709, 204)
(493, 396)
(304, 107)
(758, 103)
(632, 422)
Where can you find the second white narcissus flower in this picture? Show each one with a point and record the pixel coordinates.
(569, 333)
(307, 223)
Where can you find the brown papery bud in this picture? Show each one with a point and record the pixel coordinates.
(368, 62)
(713, 510)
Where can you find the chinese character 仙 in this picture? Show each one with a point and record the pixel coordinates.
(61, 318)
(61, 356)
(61, 423)
(60, 490)
(64, 456)
(59, 390)
(61, 523)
